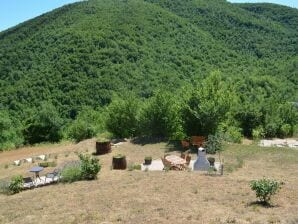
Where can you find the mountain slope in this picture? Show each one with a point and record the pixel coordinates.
(82, 53)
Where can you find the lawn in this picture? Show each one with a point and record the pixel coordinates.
(155, 197)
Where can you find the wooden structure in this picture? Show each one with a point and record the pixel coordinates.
(119, 162)
(198, 141)
(103, 147)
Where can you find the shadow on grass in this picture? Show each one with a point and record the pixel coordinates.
(262, 204)
(148, 140)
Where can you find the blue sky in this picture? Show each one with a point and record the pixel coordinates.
(291, 3)
(13, 12)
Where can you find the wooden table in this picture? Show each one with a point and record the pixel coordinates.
(176, 160)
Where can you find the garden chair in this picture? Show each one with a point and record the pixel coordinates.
(198, 140)
(28, 182)
(54, 176)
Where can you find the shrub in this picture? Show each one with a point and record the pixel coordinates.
(87, 124)
(122, 119)
(265, 188)
(233, 134)
(10, 134)
(16, 184)
(258, 133)
(160, 117)
(71, 174)
(44, 126)
(286, 130)
(214, 144)
(47, 164)
(89, 167)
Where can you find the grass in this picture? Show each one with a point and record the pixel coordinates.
(160, 197)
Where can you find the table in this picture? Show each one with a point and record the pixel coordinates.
(176, 160)
(36, 170)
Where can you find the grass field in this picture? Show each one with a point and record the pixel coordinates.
(155, 197)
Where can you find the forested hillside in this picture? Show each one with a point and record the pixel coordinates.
(85, 53)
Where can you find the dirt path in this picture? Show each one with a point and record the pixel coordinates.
(25, 152)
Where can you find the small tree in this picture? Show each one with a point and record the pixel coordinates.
(161, 116)
(122, 119)
(265, 188)
(16, 184)
(89, 167)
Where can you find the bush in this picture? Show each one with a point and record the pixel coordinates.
(16, 184)
(47, 164)
(233, 134)
(258, 133)
(89, 167)
(265, 188)
(122, 119)
(71, 174)
(87, 124)
(160, 117)
(214, 144)
(10, 133)
(286, 130)
(44, 126)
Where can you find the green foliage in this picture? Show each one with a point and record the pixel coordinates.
(10, 134)
(47, 164)
(89, 167)
(160, 117)
(214, 144)
(74, 61)
(258, 133)
(71, 174)
(87, 124)
(16, 184)
(44, 126)
(207, 106)
(265, 189)
(122, 119)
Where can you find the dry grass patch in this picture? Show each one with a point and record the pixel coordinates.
(161, 197)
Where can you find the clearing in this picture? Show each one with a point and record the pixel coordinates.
(154, 197)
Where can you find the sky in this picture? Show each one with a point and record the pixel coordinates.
(13, 12)
(291, 3)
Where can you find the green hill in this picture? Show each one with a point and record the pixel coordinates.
(82, 53)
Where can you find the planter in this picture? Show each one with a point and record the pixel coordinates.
(103, 147)
(119, 162)
(148, 160)
(211, 161)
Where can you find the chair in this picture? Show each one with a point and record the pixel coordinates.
(54, 176)
(28, 182)
(198, 140)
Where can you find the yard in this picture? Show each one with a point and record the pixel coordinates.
(155, 197)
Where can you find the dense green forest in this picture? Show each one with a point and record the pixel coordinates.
(168, 68)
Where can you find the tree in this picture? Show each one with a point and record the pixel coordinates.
(122, 118)
(160, 116)
(44, 126)
(10, 132)
(207, 106)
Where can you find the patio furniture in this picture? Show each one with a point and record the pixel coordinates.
(28, 182)
(187, 157)
(36, 170)
(174, 162)
(198, 140)
(54, 176)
